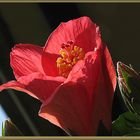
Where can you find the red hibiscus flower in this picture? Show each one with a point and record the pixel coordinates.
(73, 76)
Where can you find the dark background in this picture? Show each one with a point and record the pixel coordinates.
(32, 23)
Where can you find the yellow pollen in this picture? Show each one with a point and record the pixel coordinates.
(69, 56)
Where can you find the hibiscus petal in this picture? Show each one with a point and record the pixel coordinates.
(108, 82)
(77, 30)
(26, 59)
(96, 72)
(86, 72)
(108, 64)
(16, 86)
(69, 109)
(49, 64)
(36, 85)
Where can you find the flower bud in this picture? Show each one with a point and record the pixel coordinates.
(129, 84)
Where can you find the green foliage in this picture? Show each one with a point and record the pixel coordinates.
(3, 130)
(127, 124)
(10, 129)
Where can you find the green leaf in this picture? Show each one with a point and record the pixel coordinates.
(127, 124)
(134, 134)
(10, 129)
(3, 134)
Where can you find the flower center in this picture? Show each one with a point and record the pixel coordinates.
(69, 55)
